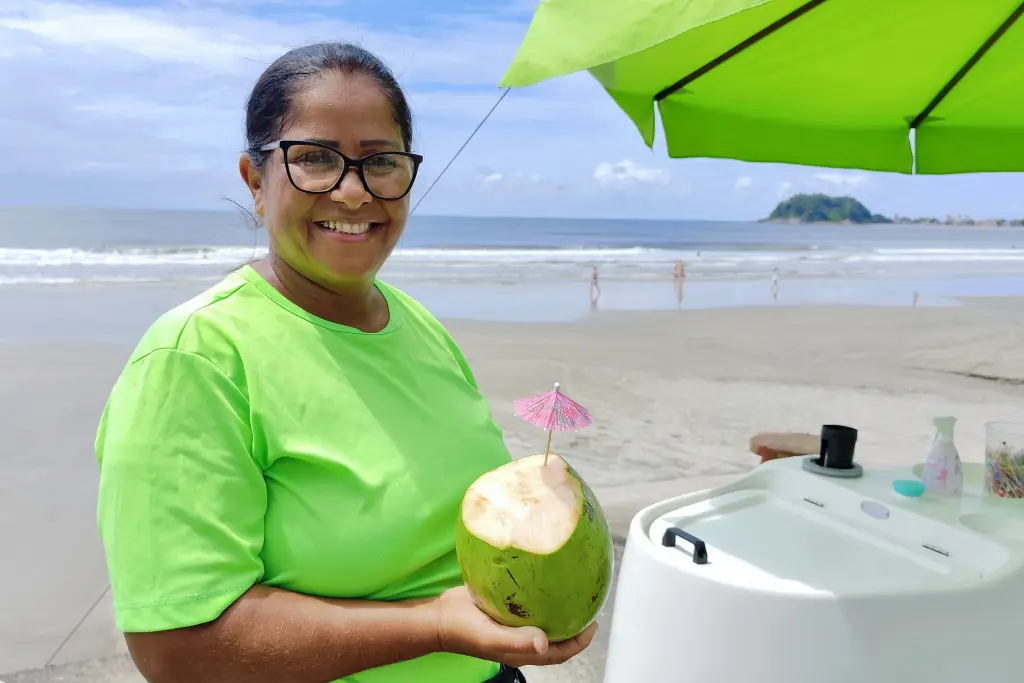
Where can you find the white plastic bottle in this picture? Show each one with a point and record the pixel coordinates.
(943, 474)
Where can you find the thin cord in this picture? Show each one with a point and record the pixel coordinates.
(77, 626)
(484, 120)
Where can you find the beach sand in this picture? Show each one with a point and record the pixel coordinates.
(675, 397)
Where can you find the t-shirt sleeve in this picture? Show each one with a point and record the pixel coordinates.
(460, 358)
(181, 501)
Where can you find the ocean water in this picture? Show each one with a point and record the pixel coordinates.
(136, 263)
(69, 247)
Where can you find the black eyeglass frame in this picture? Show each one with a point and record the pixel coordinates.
(357, 164)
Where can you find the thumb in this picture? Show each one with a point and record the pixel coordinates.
(525, 640)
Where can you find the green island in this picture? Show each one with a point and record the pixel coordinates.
(822, 208)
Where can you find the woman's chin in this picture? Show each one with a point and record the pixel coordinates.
(343, 273)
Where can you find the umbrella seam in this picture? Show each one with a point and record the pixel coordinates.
(726, 56)
(978, 55)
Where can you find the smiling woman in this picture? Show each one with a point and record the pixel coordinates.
(283, 459)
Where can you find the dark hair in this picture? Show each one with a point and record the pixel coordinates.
(269, 104)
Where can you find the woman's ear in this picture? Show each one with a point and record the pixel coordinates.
(253, 180)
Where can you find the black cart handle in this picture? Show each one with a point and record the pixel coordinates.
(700, 551)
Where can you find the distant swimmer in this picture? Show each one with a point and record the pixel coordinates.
(595, 288)
(679, 277)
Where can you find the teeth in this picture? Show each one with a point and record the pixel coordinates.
(347, 228)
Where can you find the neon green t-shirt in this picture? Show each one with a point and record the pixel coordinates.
(249, 441)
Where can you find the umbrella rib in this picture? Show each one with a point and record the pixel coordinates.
(726, 56)
(975, 58)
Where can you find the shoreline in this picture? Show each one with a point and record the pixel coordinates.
(120, 313)
(987, 223)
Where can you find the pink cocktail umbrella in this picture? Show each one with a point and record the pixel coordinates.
(553, 411)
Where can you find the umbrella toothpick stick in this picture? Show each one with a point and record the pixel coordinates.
(552, 411)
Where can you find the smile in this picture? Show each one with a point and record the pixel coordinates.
(347, 228)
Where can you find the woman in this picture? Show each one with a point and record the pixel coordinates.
(283, 458)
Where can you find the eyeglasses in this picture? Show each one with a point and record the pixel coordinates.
(318, 169)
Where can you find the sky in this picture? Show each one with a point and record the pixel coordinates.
(139, 104)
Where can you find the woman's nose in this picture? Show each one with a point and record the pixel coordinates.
(350, 190)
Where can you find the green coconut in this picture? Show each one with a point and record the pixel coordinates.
(534, 546)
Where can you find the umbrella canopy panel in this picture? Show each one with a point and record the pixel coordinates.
(835, 83)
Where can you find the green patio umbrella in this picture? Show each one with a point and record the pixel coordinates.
(834, 83)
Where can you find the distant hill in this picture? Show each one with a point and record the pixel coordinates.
(821, 208)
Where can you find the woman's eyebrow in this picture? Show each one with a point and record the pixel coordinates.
(373, 142)
(379, 142)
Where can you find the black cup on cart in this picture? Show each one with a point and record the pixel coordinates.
(837, 446)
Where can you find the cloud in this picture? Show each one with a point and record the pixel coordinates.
(784, 188)
(249, 5)
(509, 187)
(464, 50)
(842, 179)
(148, 34)
(744, 183)
(627, 172)
(509, 179)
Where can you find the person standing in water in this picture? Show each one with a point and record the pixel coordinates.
(679, 276)
(595, 288)
(775, 285)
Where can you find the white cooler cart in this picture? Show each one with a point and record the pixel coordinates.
(792, 576)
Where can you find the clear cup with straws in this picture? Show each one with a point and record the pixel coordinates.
(1004, 459)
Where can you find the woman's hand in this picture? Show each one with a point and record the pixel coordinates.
(463, 629)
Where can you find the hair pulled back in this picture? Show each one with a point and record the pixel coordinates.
(270, 102)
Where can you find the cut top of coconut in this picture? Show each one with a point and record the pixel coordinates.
(525, 504)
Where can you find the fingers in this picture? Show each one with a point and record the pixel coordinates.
(524, 641)
(557, 652)
(572, 647)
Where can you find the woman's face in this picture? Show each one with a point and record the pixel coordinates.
(352, 115)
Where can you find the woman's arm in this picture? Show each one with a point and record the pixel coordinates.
(181, 511)
(276, 636)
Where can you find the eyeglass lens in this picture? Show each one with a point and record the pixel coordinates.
(316, 169)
